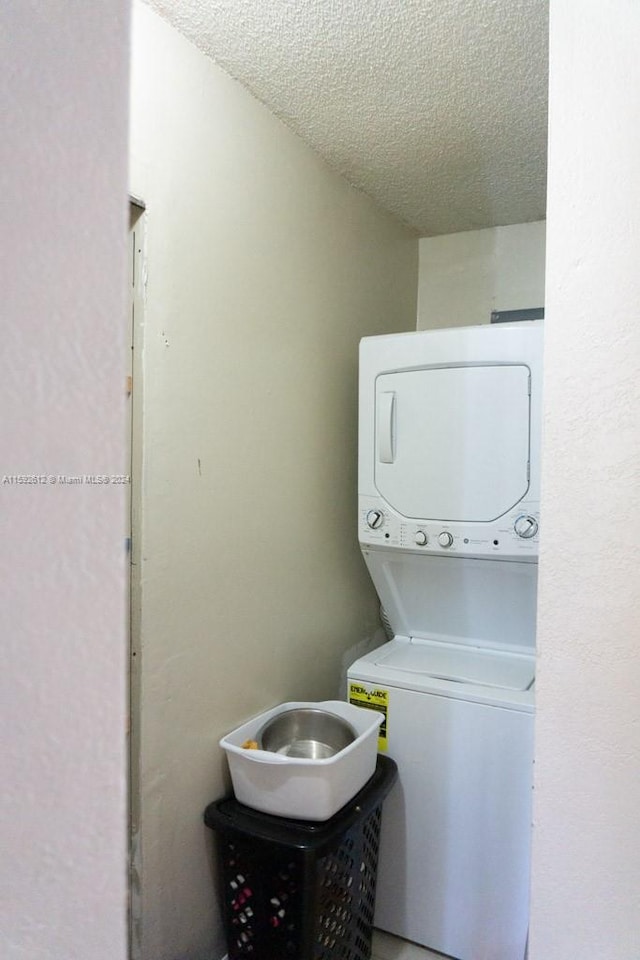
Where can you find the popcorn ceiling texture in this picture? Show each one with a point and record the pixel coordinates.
(436, 108)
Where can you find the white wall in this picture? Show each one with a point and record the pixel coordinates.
(63, 188)
(586, 853)
(264, 269)
(464, 276)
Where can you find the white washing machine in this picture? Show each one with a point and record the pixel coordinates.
(448, 526)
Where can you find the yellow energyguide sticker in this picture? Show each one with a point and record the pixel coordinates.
(374, 698)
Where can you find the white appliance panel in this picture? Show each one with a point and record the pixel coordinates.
(449, 441)
(452, 443)
(487, 603)
(454, 851)
(460, 664)
(424, 678)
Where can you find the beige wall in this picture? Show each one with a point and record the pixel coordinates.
(264, 270)
(464, 276)
(63, 566)
(586, 850)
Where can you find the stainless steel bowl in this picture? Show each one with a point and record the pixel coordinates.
(306, 732)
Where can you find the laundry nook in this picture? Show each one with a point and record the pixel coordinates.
(320, 401)
(336, 430)
(339, 259)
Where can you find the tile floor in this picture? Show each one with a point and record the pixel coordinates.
(386, 947)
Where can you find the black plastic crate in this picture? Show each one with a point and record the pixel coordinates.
(301, 889)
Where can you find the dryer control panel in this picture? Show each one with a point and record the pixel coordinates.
(514, 536)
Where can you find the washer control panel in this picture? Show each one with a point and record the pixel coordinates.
(515, 535)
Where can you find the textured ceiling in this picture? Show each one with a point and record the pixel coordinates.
(435, 108)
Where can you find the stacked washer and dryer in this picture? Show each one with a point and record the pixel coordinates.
(449, 459)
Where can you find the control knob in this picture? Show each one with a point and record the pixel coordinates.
(421, 538)
(374, 518)
(526, 527)
(445, 539)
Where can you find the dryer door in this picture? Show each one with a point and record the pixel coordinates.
(452, 442)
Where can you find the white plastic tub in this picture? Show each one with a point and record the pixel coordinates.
(300, 788)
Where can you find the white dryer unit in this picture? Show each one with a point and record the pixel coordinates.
(448, 526)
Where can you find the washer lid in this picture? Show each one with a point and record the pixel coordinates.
(485, 668)
(477, 603)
